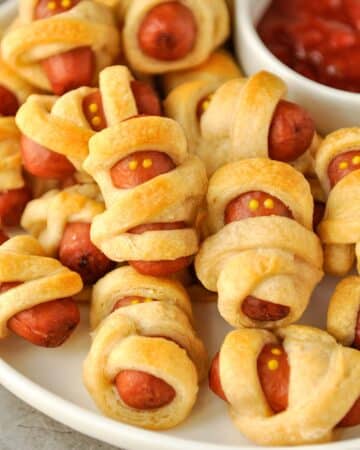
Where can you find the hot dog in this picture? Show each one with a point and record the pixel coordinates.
(9, 104)
(274, 373)
(3, 237)
(257, 309)
(140, 167)
(71, 69)
(147, 102)
(319, 211)
(291, 132)
(274, 376)
(128, 301)
(12, 205)
(77, 252)
(160, 268)
(142, 390)
(44, 163)
(342, 165)
(214, 378)
(168, 32)
(255, 204)
(48, 324)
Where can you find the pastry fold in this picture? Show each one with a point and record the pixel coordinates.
(324, 384)
(155, 337)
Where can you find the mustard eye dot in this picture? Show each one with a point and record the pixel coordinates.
(133, 165)
(65, 3)
(253, 204)
(273, 364)
(269, 203)
(51, 6)
(276, 351)
(356, 160)
(147, 163)
(148, 300)
(96, 121)
(135, 302)
(343, 165)
(93, 108)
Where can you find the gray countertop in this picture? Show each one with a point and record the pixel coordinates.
(23, 428)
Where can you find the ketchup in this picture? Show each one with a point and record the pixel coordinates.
(319, 39)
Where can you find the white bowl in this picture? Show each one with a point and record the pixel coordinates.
(7, 12)
(331, 108)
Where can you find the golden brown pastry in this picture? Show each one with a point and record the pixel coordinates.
(36, 294)
(338, 168)
(56, 130)
(145, 361)
(290, 388)
(343, 320)
(14, 194)
(61, 45)
(152, 190)
(216, 70)
(61, 220)
(244, 118)
(163, 36)
(263, 258)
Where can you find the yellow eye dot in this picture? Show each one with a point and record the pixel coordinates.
(356, 160)
(65, 3)
(276, 351)
(343, 165)
(133, 165)
(51, 6)
(93, 108)
(205, 105)
(147, 163)
(273, 364)
(134, 302)
(148, 300)
(253, 205)
(269, 203)
(96, 121)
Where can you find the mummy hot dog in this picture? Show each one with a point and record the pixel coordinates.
(152, 190)
(61, 221)
(56, 131)
(244, 118)
(145, 361)
(343, 320)
(289, 388)
(60, 45)
(162, 36)
(36, 294)
(338, 168)
(263, 258)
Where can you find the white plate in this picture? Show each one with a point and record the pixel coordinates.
(50, 380)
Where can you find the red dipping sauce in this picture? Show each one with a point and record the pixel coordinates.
(320, 39)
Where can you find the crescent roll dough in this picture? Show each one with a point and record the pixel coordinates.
(60, 124)
(10, 161)
(324, 384)
(43, 279)
(170, 197)
(30, 41)
(343, 312)
(218, 68)
(340, 228)
(129, 339)
(16, 85)
(46, 218)
(236, 120)
(213, 27)
(273, 258)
